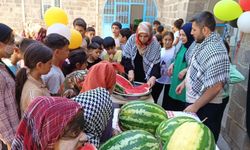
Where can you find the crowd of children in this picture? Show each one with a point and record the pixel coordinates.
(32, 70)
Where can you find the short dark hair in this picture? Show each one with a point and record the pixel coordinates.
(118, 24)
(93, 46)
(159, 37)
(108, 42)
(80, 22)
(160, 28)
(90, 29)
(25, 43)
(55, 41)
(206, 19)
(157, 22)
(178, 23)
(97, 39)
(126, 32)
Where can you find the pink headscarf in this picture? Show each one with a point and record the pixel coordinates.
(144, 27)
(44, 122)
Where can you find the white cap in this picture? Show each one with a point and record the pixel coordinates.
(60, 29)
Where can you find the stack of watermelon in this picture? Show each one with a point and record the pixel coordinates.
(147, 127)
(123, 86)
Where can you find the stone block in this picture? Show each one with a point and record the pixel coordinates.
(243, 69)
(239, 95)
(237, 134)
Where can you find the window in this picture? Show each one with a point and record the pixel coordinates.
(46, 4)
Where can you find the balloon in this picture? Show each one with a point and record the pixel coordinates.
(55, 15)
(233, 23)
(227, 10)
(244, 22)
(245, 4)
(75, 40)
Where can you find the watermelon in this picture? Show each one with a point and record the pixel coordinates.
(124, 86)
(132, 140)
(144, 88)
(166, 128)
(141, 115)
(185, 133)
(88, 146)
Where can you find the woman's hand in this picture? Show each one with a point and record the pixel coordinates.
(180, 87)
(151, 81)
(191, 108)
(170, 70)
(182, 74)
(131, 75)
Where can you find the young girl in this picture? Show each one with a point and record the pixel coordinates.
(93, 54)
(29, 85)
(112, 55)
(167, 53)
(77, 60)
(176, 29)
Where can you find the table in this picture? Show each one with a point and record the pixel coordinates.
(117, 100)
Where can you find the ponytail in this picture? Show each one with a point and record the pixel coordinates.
(21, 78)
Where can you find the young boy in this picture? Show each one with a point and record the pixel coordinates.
(15, 62)
(125, 33)
(93, 54)
(116, 27)
(58, 37)
(99, 40)
(90, 33)
(80, 25)
(112, 55)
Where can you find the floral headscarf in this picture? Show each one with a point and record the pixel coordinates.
(43, 122)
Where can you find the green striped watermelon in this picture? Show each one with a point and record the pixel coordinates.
(186, 134)
(166, 128)
(141, 115)
(122, 84)
(132, 140)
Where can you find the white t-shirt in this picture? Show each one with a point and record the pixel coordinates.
(166, 58)
(54, 79)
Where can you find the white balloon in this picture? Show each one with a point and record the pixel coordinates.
(244, 22)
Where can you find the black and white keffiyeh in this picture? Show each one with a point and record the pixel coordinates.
(150, 57)
(97, 107)
(209, 65)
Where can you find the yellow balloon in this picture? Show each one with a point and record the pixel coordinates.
(55, 15)
(75, 39)
(227, 10)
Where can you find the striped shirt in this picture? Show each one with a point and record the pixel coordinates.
(209, 65)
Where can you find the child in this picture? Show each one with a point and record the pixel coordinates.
(99, 40)
(77, 61)
(112, 55)
(156, 24)
(160, 30)
(80, 25)
(29, 85)
(9, 111)
(176, 29)
(90, 33)
(159, 39)
(93, 54)
(16, 60)
(167, 53)
(57, 39)
(116, 27)
(125, 33)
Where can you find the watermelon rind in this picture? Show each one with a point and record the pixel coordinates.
(132, 140)
(141, 115)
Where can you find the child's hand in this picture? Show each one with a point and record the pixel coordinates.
(111, 56)
(170, 70)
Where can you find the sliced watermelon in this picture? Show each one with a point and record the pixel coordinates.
(144, 88)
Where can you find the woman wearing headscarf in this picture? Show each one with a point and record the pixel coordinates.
(101, 78)
(178, 70)
(141, 55)
(51, 123)
(97, 106)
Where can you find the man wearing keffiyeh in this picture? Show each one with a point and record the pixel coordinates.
(207, 74)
